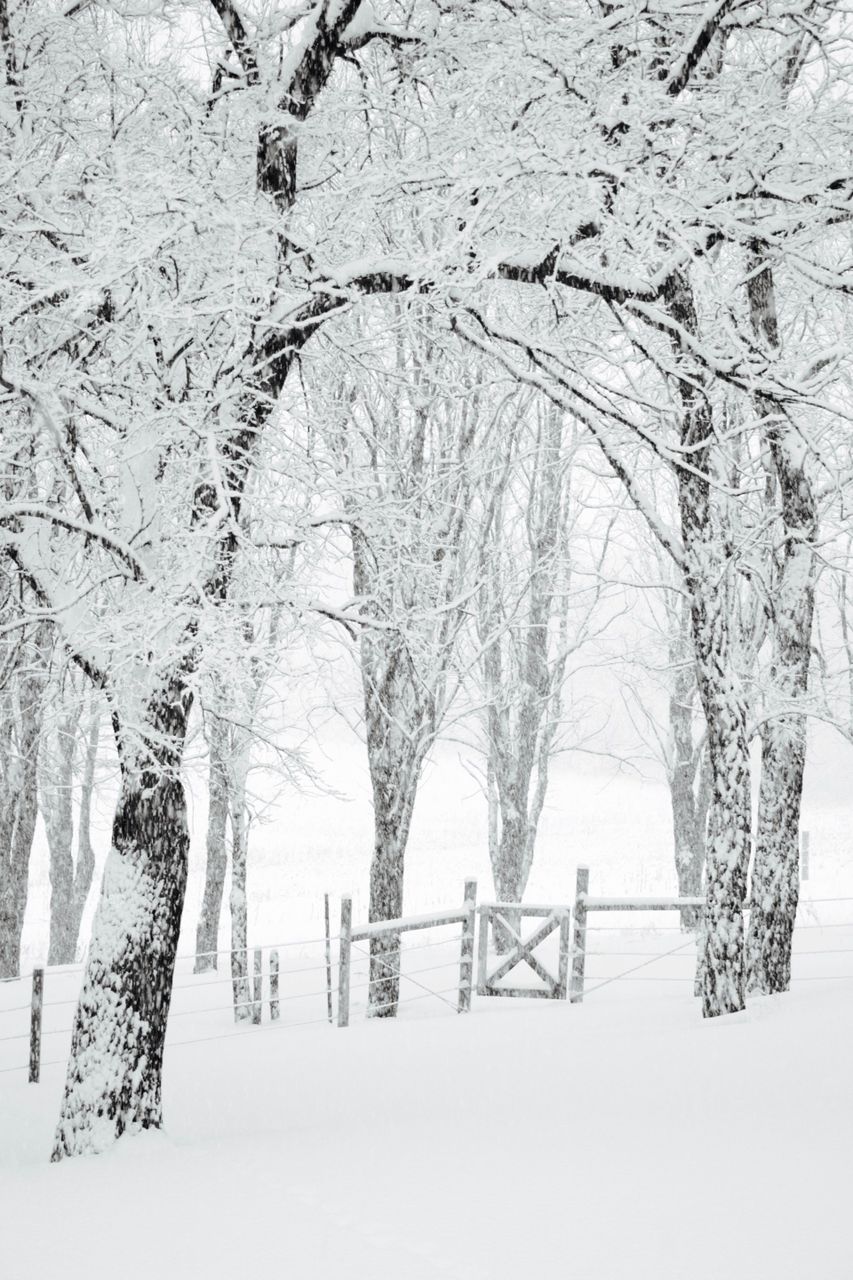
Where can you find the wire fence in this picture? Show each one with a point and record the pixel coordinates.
(268, 996)
(684, 956)
(263, 988)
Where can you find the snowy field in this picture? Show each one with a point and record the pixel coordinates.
(621, 1140)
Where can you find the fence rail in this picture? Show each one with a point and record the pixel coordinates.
(466, 915)
(277, 989)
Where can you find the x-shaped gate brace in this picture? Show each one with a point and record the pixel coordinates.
(522, 949)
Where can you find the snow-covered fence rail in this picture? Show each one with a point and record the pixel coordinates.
(662, 966)
(584, 904)
(350, 936)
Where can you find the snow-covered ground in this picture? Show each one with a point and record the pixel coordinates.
(621, 1140)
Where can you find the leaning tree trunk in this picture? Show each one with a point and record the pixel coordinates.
(19, 799)
(207, 933)
(721, 967)
(114, 1075)
(69, 883)
(776, 869)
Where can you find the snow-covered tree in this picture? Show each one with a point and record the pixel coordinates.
(412, 447)
(25, 648)
(68, 756)
(537, 608)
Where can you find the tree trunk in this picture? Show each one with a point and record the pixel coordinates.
(207, 933)
(729, 820)
(776, 869)
(775, 885)
(511, 869)
(19, 800)
(69, 883)
(114, 1075)
(730, 816)
(243, 1008)
(689, 804)
(394, 792)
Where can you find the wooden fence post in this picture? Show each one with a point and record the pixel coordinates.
(579, 949)
(563, 970)
(483, 961)
(258, 987)
(274, 1005)
(328, 961)
(35, 1025)
(466, 958)
(804, 855)
(344, 962)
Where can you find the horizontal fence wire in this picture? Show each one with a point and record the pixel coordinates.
(825, 977)
(805, 902)
(248, 1004)
(652, 960)
(391, 1004)
(397, 973)
(258, 946)
(403, 951)
(814, 977)
(594, 977)
(838, 924)
(248, 1030)
(387, 959)
(359, 986)
(825, 951)
(227, 981)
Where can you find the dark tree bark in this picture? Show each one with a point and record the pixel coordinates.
(730, 815)
(120, 1024)
(776, 868)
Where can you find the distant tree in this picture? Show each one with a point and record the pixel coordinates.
(25, 648)
(537, 607)
(411, 449)
(67, 761)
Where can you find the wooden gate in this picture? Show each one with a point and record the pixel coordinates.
(522, 949)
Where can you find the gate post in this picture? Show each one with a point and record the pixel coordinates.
(563, 970)
(258, 987)
(35, 1025)
(344, 962)
(466, 958)
(274, 1005)
(579, 948)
